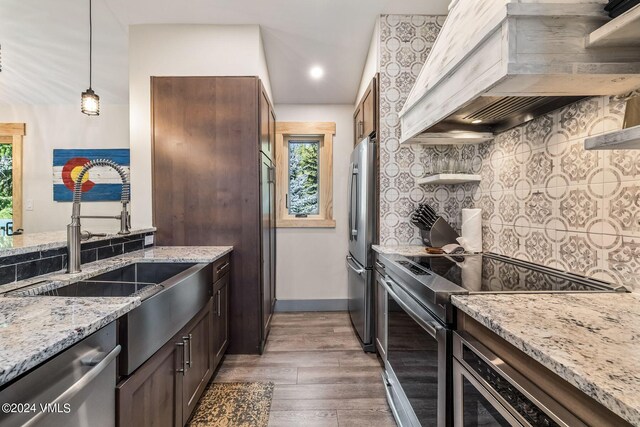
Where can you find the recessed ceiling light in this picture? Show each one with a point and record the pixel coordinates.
(316, 72)
(476, 121)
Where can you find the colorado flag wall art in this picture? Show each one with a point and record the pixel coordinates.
(99, 184)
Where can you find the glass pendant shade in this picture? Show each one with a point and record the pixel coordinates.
(90, 104)
(90, 101)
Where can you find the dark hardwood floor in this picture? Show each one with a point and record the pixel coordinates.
(322, 376)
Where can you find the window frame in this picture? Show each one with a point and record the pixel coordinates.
(323, 132)
(13, 133)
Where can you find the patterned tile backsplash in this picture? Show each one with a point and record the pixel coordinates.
(544, 197)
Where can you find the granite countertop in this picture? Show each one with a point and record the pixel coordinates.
(404, 250)
(32, 242)
(35, 328)
(590, 340)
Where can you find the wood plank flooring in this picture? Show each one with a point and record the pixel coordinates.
(322, 376)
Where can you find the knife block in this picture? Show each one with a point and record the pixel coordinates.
(439, 235)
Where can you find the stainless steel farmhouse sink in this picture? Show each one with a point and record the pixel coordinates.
(172, 294)
(138, 279)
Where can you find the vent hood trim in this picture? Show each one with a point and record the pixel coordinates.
(504, 56)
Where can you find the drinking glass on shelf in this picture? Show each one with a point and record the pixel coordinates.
(429, 168)
(437, 166)
(464, 166)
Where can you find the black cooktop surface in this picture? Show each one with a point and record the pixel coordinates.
(494, 273)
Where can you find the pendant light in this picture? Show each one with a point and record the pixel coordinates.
(90, 101)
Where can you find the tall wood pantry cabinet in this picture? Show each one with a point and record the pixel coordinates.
(214, 185)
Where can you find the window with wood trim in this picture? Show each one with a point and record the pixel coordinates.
(304, 163)
(11, 135)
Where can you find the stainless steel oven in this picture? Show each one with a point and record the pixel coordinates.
(489, 392)
(416, 368)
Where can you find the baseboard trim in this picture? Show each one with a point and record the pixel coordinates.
(289, 305)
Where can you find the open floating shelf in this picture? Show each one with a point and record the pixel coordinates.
(623, 30)
(449, 178)
(450, 138)
(625, 139)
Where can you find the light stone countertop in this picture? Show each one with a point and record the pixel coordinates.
(404, 250)
(36, 328)
(32, 242)
(590, 340)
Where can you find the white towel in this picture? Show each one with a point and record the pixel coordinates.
(472, 273)
(471, 238)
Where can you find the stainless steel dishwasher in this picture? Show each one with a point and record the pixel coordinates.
(74, 388)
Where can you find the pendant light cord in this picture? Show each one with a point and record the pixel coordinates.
(90, 43)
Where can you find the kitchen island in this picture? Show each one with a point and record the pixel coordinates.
(36, 328)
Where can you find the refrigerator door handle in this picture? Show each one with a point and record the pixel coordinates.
(351, 265)
(350, 199)
(353, 216)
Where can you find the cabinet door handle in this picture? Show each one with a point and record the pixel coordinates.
(187, 341)
(218, 303)
(222, 267)
(361, 125)
(184, 357)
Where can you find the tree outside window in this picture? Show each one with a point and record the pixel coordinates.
(304, 194)
(6, 182)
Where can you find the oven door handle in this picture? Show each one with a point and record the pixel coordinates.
(431, 327)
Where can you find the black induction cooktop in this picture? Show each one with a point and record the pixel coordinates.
(497, 273)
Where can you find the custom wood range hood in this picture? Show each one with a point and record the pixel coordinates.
(499, 63)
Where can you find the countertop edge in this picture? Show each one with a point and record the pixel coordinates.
(404, 250)
(12, 372)
(615, 405)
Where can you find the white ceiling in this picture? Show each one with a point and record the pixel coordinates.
(45, 43)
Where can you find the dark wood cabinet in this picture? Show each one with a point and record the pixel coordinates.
(267, 195)
(220, 319)
(199, 361)
(267, 125)
(166, 388)
(369, 105)
(365, 117)
(210, 138)
(358, 123)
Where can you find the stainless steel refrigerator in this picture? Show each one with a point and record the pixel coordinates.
(362, 226)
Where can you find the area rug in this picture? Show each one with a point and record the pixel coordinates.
(234, 405)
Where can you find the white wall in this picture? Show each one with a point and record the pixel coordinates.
(372, 64)
(63, 126)
(311, 261)
(180, 50)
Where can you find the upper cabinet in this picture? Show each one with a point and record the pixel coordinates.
(365, 117)
(499, 63)
(267, 124)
